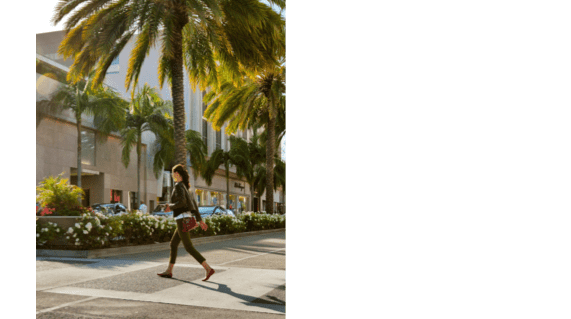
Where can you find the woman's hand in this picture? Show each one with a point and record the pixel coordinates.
(203, 225)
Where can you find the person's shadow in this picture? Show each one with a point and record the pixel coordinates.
(247, 299)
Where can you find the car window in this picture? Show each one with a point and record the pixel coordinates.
(205, 210)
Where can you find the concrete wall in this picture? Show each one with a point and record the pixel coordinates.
(56, 152)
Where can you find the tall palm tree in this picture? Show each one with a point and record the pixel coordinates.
(165, 148)
(259, 99)
(196, 35)
(101, 102)
(220, 157)
(147, 112)
(260, 177)
(247, 156)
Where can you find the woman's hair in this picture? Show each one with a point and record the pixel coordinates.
(183, 173)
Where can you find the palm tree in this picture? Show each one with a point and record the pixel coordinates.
(247, 156)
(147, 112)
(260, 177)
(220, 157)
(253, 100)
(196, 35)
(165, 150)
(101, 102)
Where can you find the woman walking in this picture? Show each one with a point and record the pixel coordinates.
(183, 204)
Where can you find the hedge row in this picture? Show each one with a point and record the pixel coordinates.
(95, 230)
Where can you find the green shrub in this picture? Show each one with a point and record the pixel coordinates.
(96, 230)
(47, 232)
(57, 194)
(93, 230)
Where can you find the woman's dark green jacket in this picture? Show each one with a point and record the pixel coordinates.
(182, 201)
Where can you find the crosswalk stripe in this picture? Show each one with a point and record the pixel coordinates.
(65, 305)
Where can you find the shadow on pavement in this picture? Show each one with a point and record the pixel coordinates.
(247, 299)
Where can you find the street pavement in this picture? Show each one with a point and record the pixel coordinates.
(249, 283)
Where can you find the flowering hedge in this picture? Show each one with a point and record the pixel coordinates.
(95, 230)
(47, 232)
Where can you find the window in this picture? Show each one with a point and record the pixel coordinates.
(218, 140)
(204, 122)
(88, 147)
(116, 196)
(133, 201)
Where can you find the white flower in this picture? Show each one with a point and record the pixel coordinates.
(67, 237)
(88, 226)
(77, 225)
(74, 235)
(37, 235)
(70, 230)
(106, 234)
(77, 239)
(77, 244)
(57, 230)
(85, 232)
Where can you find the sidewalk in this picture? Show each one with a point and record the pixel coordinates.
(249, 282)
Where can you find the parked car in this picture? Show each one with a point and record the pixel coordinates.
(160, 211)
(110, 209)
(207, 211)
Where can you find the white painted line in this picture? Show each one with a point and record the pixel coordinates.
(54, 278)
(65, 305)
(273, 251)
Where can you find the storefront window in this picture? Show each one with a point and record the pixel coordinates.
(199, 197)
(215, 199)
(116, 196)
(232, 202)
(242, 201)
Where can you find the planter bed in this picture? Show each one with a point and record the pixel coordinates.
(70, 251)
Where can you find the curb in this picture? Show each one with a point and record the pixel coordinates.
(107, 252)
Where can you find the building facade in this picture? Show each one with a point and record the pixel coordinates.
(107, 164)
(104, 178)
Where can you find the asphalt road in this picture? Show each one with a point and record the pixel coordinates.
(249, 283)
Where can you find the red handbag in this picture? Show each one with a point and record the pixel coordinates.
(189, 224)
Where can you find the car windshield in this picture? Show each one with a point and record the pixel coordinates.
(206, 210)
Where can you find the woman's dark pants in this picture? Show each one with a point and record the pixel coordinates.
(185, 237)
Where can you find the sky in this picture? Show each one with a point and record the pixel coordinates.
(43, 13)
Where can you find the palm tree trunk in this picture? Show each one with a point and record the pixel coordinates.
(177, 91)
(270, 151)
(79, 153)
(251, 198)
(138, 196)
(227, 167)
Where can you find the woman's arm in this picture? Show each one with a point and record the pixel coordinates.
(177, 198)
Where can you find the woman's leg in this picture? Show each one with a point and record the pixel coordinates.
(188, 246)
(185, 237)
(175, 241)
